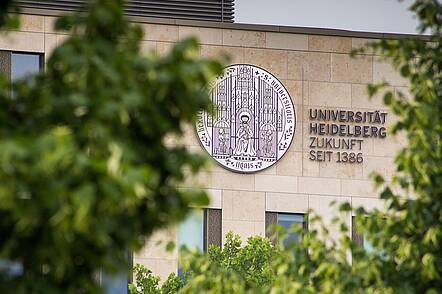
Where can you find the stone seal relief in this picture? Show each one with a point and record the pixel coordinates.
(253, 119)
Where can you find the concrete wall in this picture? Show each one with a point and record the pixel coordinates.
(318, 72)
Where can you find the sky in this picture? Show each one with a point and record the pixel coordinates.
(388, 16)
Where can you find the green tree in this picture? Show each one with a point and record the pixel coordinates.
(222, 270)
(146, 282)
(407, 238)
(84, 170)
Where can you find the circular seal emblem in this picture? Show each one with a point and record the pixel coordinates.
(253, 119)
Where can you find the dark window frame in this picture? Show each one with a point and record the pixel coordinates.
(212, 228)
(271, 218)
(355, 236)
(6, 64)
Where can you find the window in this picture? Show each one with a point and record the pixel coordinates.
(285, 220)
(13, 66)
(200, 229)
(359, 238)
(16, 65)
(191, 231)
(11, 269)
(116, 283)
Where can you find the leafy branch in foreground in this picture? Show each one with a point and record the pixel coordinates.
(85, 174)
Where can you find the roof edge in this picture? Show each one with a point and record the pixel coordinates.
(252, 27)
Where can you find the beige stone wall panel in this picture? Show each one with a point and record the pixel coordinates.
(236, 54)
(310, 168)
(269, 171)
(274, 61)
(214, 195)
(215, 198)
(360, 98)
(214, 166)
(164, 48)
(159, 267)
(320, 186)
(50, 41)
(232, 181)
(244, 229)
(360, 43)
(367, 147)
(267, 183)
(159, 32)
(296, 91)
(290, 164)
(305, 132)
(329, 94)
(382, 165)
(309, 66)
(156, 245)
(358, 188)
(297, 142)
(384, 71)
(148, 46)
(333, 169)
(323, 206)
(286, 41)
(49, 24)
(204, 35)
(202, 180)
(288, 203)
(22, 41)
(329, 44)
(32, 23)
(61, 38)
(351, 70)
(190, 137)
(244, 206)
(391, 146)
(244, 38)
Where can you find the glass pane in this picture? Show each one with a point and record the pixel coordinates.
(11, 269)
(115, 284)
(368, 246)
(191, 231)
(287, 220)
(23, 64)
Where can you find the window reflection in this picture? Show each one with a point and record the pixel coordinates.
(115, 284)
(287, 220)
(23, 64)
(191, 231)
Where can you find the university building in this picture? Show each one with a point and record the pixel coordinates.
(294, 130)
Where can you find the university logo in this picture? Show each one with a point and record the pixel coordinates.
(253, 120)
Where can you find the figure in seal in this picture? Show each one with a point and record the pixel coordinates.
(244, 143)
(222, 138)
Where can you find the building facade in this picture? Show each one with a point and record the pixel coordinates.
(339, 136)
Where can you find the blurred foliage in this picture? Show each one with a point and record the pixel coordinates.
(7, 19)
(84, 169)
(407, 237)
